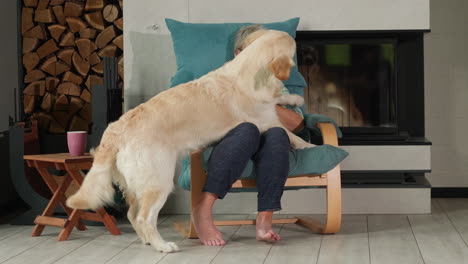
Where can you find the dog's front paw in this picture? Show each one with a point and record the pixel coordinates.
(291, 99)
(166, 247)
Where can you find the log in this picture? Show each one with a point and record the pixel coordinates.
(75, 105)
(29, 44)
(29, 102)
(72, 9)
(37, 32)
(35, 88)
(95, 20)
(75, 24)
(56, 31)
(56, 2)
(61, 67)
(33, 76)
(61, 104)
(54, 67)
(94, 5)
(110, 13)
(55, 128)
(88, 33)
(99, 68)
(66, 55)
(43, 4)
(49, 65)
(27, 19)
(105, 37)
(30, 61)
(78, 124)
(121, 3)
(120, 60)
(58, 11)
(118, 41)
(30, 3)
(85, 47)
(47, 48)
(86, 96)
(43, 119)
(80, 64)
(44, 16)
(51, 83)
(61, 117)
(68, 40)
(108, 51)
(119, 23)
(73, 78)
(86, 113)
(69, 88)
(47, 102)
(93, 59)
(93, 80)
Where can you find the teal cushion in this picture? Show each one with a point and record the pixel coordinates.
(316, 160)
(201, 48)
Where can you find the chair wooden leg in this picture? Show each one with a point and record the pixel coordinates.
(333, 202)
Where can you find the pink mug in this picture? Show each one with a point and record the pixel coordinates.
(77, 142)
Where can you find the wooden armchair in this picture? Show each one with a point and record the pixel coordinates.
(331, 179)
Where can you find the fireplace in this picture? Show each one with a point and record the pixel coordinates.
(369, 82)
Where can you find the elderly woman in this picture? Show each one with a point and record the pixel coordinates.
(269, 152)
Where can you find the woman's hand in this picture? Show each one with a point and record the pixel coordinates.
(290, 119)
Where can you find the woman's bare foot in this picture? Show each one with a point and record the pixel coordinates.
(203, 222)
(264, 227)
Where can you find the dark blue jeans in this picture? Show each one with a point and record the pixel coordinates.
(269, 152)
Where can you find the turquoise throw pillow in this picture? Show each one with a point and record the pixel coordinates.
(201, 48)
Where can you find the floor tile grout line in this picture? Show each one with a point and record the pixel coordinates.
(166, 217)
(21, 229)
(26, 250)
(448, 217)
(272, 245)
(246, 216)
(320, 247)
(415, 239)
(368, 238)
(221, 248)
(79, 247)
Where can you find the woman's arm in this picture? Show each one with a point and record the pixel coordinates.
(290, 119)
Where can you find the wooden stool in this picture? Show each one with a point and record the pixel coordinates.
(73, 167)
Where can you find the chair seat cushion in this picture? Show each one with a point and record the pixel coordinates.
(317, 160)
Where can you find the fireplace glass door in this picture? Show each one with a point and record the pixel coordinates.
(352, 81)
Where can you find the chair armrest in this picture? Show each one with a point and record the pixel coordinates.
(312, 121)
(329, 134)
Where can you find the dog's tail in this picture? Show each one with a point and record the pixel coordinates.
(97, 189)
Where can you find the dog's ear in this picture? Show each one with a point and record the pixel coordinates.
(280, 67)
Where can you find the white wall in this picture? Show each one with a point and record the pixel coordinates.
(8, 60)
(446, 99)
(149, 59)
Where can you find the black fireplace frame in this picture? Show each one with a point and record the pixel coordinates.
(409, 75)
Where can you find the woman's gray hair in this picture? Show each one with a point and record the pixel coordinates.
(242, 34)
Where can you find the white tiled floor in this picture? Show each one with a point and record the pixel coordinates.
(440, 237)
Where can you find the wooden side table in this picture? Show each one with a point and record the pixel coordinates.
(73, 167)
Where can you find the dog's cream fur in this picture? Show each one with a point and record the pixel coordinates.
(139, 151)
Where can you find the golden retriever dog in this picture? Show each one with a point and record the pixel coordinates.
(139, 151)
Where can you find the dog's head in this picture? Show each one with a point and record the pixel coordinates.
(278, 48)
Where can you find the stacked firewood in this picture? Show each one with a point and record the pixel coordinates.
(64, 42)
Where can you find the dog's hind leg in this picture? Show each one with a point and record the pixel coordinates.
(151, 203)
(132, 215)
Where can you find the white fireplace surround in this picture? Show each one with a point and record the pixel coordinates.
(150, 63)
